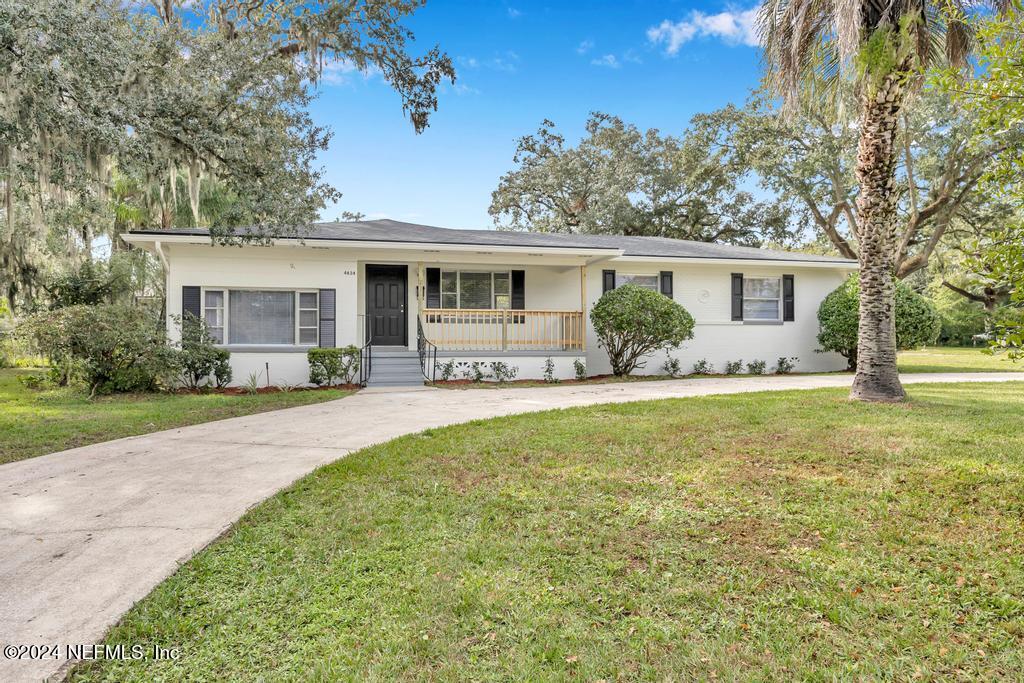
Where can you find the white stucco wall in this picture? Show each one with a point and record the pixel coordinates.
(705, 291)
(703, 288)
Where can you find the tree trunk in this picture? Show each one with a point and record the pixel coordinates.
(877, 378)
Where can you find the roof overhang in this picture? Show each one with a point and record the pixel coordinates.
(843, 265)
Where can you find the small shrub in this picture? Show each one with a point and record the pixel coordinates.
(111, 347)
(784, 365)
(475, 372)
(198, 357)
(549, 371)
(222, 373)
(672, 367)
(756, 367)
(632, 322)
(503, 372)
(734, 367)
(34, 381)
(447, 370)
(917, 321)
(703, 367)
(331, 366)
(580, 368)
(252, 383)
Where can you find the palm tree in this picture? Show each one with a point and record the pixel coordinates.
(884, 46)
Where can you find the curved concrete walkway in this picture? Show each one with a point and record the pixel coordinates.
(85, 533)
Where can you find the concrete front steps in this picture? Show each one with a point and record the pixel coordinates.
(395, 366)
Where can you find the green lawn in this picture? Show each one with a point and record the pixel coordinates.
(773, 536)
(37, 422)
(952, 359)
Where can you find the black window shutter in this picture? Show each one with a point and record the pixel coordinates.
(737, 296)
(191, 302)
(665, 278)
(433, 288)
(518, 289)
(788, 300)
(607, 280)
(328, 299)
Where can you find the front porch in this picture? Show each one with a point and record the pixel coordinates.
(505, 330)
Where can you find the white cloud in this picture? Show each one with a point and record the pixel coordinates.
(513, 13)
(733, 27)
(585, 47)
(610, 61)
(341, 72)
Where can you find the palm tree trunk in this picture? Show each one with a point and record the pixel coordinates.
(877, 378)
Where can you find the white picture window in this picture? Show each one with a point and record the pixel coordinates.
(762, 298)
(646, 281)
(213, 313)
(476, 289)
(263, 317)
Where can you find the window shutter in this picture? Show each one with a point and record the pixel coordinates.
(788, 300)
(327, 300)
(518, 289)
(737, 296)
(191, 302)
(433, 288)
(665, 278)
(607, 280)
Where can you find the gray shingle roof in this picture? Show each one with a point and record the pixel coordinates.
(387, 230)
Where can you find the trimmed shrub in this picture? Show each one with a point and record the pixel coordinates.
(917, 321)
(632, 322)
(549, 371)
(756, 367)
(447, 370)
(331, 366)
(734, 367)
(110, 347)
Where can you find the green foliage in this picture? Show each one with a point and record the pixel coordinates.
(917, 321)
(549, 371)
(961, 318)
(111, 347)
(671, 367)
(198, 357)
(580, 369)
(620, 180)
(734, 367)
(632, 322)
(703, 367)
(503, 372)
(756, 367)
(447, 369)
(33, 380)
(331, 366)
(784, 366)
(251, 385)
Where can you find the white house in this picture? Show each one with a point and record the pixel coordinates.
(482, 295)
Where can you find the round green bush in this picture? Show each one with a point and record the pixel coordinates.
(917, 321)
(632, 322)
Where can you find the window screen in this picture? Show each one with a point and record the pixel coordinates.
(261, 317)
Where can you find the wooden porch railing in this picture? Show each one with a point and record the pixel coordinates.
(463, 329)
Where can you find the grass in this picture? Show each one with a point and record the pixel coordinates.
(773, 536)
(38, 422)
(953, 359)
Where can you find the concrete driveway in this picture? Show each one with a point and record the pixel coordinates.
(85, 533)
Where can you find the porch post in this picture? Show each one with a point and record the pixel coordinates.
(583, 307)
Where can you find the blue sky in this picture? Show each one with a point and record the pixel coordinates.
(653, 64)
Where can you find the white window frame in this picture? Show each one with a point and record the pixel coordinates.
(631, 276)
(226, 312)
(298, 317)
(223, 308)
(777, 299)
(458, 287)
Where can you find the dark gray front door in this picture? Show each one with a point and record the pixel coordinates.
(385, 304)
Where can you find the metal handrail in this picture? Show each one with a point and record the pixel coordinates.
(366, 356)
(427, 351)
